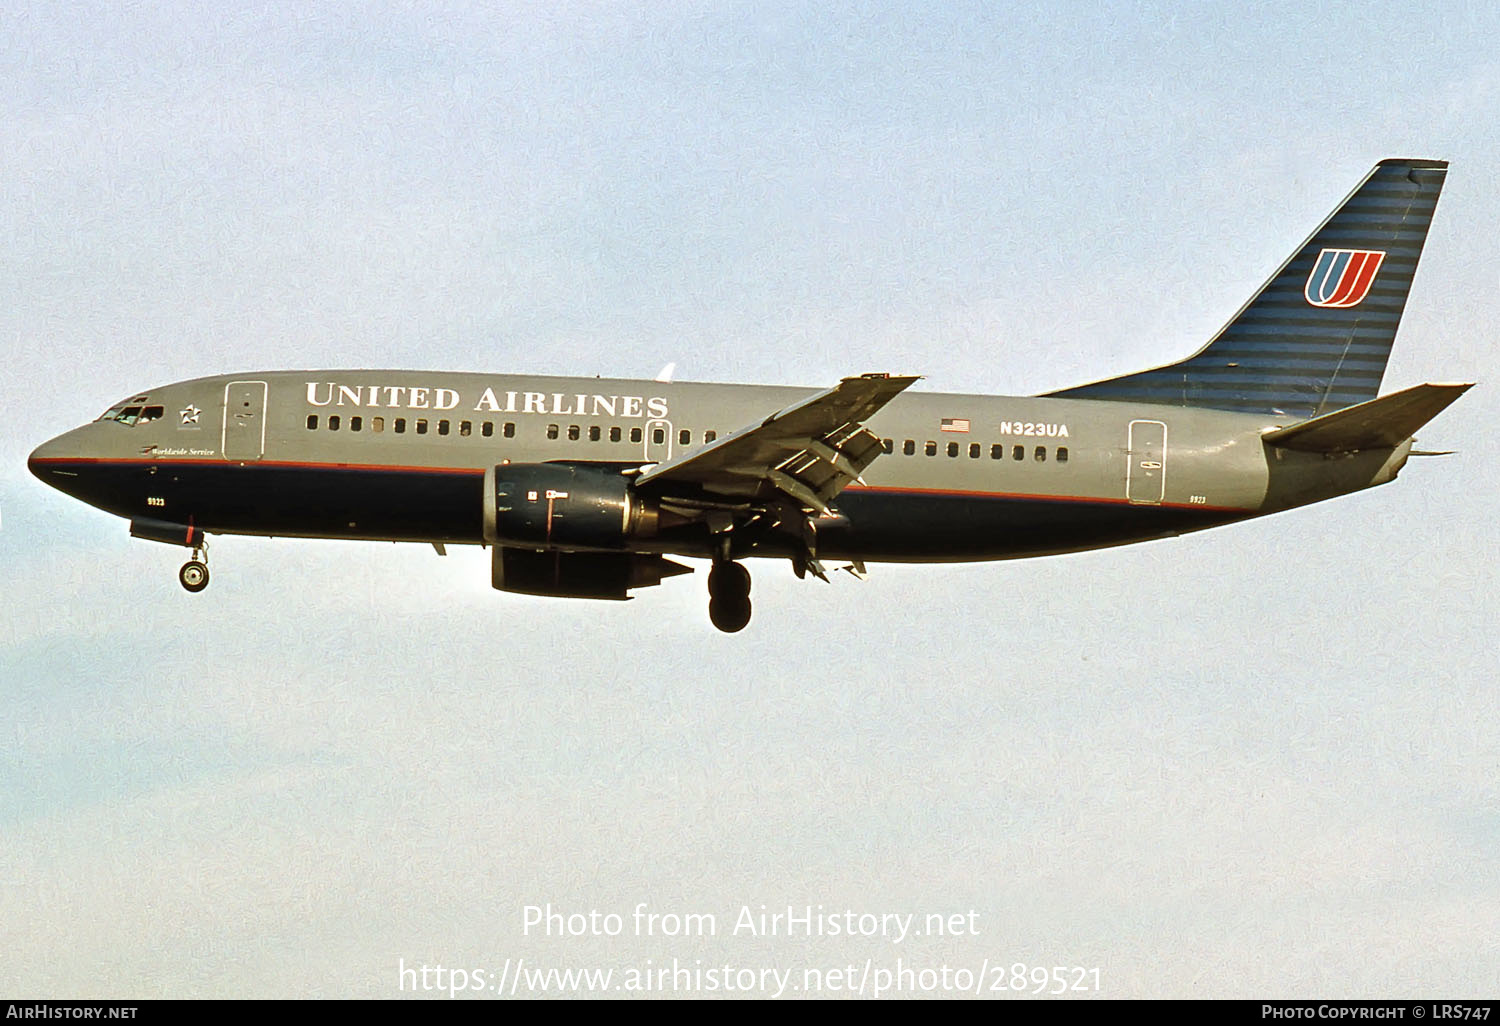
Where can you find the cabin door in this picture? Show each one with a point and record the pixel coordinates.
(244, 420)
(1146, 469)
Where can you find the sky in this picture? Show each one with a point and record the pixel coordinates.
(1253, 761)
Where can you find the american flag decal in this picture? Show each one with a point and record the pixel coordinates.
(955, 424)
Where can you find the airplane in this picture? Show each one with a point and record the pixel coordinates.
(584, 487)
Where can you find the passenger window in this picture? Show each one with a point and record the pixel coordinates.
(974, 451)
(333, 422)
(377, 424)
(442, 427)
(997, 451)
(355, 423)
(400, 425)
(1062, 454)
(909, 447)
(930, 448)
(684, 437)
(635, 434)
(573, 433)
(952, 449)
(464, 429)
(421, 425)
(658, 436)
(709, 436)
(487, 429)
(1041, 454)
(312, 422)
(510, 429)
(594, 433)
(614, 434)
(1018, 453)
(887, 445)
(552, 432)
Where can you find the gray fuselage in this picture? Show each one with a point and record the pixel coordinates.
(401, 455)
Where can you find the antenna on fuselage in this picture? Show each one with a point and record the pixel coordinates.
(665, 374)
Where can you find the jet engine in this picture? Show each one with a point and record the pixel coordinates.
(561, 529)
(563, 506)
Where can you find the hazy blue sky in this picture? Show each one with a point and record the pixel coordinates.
(1256, 761)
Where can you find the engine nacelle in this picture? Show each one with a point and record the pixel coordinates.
(591, 575)
(562, 506)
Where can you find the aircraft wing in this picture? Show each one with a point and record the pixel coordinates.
(807, 453)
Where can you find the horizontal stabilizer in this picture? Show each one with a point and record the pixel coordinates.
(1382, 423)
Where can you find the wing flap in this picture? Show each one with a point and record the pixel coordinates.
(808, 452)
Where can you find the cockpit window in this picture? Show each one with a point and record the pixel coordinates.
(132, 415)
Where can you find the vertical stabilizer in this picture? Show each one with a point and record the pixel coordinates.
(1317, 336)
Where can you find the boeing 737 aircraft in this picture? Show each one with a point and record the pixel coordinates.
(584, 487)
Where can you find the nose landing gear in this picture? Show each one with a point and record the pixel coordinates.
(729, 596)
(194, 573)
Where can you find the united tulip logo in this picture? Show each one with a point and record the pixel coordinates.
(1342, 277)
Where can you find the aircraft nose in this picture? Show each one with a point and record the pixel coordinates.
(46, 455)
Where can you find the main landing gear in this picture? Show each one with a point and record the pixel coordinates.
(194, 573)
(729, 596)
